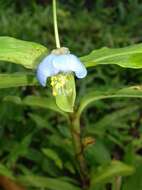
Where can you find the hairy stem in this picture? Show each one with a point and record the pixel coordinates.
(55, 24)
(78, 148)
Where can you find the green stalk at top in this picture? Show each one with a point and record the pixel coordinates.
(55, 24)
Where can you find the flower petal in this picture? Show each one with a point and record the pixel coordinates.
(46, 69)
(61, 63)
(78, 67)
(69, 63)
(53, 64)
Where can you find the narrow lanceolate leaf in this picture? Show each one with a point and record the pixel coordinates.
(43, 102)
(35, 101)
(126, 92)
(106, 173)
(17, 79)
(21, 52)
(128, 57)
(5, 171)
(53, 155)
(45, 182)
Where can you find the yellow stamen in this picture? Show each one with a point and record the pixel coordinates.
(58, 83)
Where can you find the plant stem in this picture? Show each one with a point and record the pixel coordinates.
(117, 183)
(78, 148)
(55, 24)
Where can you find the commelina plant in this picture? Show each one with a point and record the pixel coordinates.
(60, 67)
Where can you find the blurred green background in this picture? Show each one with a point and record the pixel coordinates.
(25, 132)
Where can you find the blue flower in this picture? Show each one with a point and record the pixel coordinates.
(59, 63)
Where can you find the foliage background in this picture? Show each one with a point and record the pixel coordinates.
(25, 131)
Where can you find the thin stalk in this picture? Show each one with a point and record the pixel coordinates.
(55, 25)
(78, 148)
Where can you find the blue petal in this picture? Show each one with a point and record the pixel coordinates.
(61, 63)
(78, 67)
(46, 69)
(53, 64)
(69, 63)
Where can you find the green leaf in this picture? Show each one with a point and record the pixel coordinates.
(64, 94)
(125, 92)
(40, 121)
(17, 79)
(45, 182)
(5, 171)
(134, 182)
(68, 165)
(21, 52)
(111, 120)
(53, 156)
(43, 102)
(106, 173)
(20, 149)
(36, 101)
(128, 57)
(97, 153)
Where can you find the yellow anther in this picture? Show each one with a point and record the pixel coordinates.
(59, 83)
